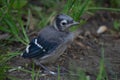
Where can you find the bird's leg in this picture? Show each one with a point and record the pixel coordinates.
(42, 66)
(46, 69)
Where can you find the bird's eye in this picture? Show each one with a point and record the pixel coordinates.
(63, 22)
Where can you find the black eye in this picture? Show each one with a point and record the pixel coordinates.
(63, 22)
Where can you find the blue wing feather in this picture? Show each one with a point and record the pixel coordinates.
(37, 52)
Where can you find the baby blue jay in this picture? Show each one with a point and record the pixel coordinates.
(52, 41)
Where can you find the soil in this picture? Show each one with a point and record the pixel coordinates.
(85, 54)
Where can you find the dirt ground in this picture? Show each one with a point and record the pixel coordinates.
(85, 52)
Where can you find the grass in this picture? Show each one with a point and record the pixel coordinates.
(102, 72)
(8, 22)
(58, 78)
(116, 25)
(3, 70)
(7, 57)
(11, 22)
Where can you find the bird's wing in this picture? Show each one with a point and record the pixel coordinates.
(40, 47)
(60, 48)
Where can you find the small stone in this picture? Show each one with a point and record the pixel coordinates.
(102, 29)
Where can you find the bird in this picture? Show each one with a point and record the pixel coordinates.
(51, 41)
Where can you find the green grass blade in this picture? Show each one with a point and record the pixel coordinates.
(83, 8)
(58, 77)
(24, 32)
(14, 29)
(102, 73)
(7, 57)
(33, 72)
(4, 29)
(103, 8)
(68, 6)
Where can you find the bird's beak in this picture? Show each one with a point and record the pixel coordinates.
(74, 23)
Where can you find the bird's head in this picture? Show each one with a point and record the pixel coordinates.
(63, 22)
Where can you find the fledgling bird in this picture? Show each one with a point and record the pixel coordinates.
(52, 41)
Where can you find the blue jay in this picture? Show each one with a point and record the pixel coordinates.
(52, 41)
